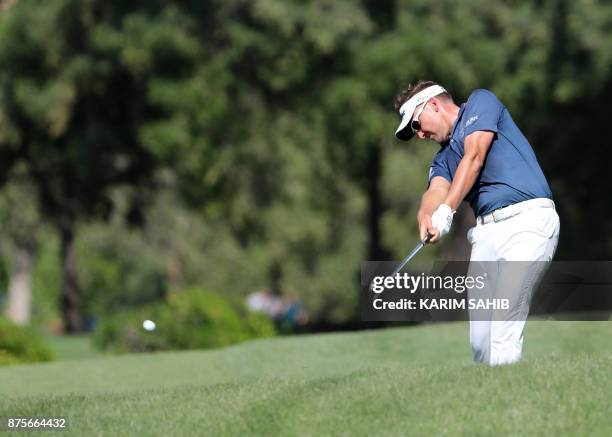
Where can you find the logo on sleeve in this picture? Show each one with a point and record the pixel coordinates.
(471, 120)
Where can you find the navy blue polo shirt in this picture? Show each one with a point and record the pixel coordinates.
(511, 172)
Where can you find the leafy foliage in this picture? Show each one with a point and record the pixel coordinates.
(191, 319)
(21, 345)
(252, 140)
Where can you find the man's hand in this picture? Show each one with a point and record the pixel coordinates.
(432, 198)
(426, 227)
(442, 219)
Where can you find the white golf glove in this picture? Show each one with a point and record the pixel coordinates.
(442, 219)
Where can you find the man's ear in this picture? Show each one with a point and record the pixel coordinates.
(435, 104)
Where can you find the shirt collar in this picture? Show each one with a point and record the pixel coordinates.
(455, 124)
(459, 115)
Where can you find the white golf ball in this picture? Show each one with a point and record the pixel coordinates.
(148, 325)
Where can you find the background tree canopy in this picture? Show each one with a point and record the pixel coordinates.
(246, 145)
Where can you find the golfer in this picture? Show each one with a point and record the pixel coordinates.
(486, 160)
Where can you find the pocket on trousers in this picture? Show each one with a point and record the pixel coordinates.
(543, 221)
(470, 234)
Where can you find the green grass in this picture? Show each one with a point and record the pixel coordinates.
(405, 381)
(69, 347)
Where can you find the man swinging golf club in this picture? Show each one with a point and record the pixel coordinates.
(486, 160)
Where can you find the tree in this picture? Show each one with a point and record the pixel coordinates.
(20, 225)
(88, 92)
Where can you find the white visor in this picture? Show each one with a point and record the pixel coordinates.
(404, 132)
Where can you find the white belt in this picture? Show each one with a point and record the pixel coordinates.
(512, 210)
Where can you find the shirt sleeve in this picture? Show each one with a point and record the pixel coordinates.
(439, 166)
(483, 112)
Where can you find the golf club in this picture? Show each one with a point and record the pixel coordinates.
(411, 255)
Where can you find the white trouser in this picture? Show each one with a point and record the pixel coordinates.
(526, 231)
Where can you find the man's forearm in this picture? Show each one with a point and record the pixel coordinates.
(465, 177)
(476, 148)
(430, 201)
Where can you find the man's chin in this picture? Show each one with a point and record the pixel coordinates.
(440, 139)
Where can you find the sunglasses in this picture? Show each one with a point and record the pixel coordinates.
(415, 124)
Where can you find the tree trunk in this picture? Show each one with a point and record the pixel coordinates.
(5, 4)
(71, 293)
(19, 289)
(376, 252)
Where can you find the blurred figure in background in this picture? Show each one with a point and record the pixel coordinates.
(286, 311)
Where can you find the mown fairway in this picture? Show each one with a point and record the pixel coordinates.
(404, 381)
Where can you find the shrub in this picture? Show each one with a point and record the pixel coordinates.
(21, 345)
(191, 319)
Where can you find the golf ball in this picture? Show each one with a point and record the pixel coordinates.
(148, 325)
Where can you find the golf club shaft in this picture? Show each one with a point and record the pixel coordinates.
(411, 255)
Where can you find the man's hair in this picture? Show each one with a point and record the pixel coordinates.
(406, 94)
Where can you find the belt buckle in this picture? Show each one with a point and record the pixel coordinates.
(495, 215)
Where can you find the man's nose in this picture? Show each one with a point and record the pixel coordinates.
(421, 135)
